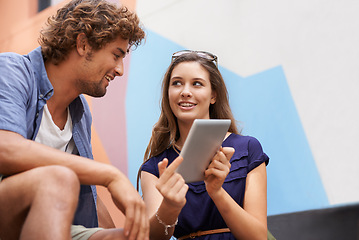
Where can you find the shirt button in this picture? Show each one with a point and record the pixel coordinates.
(37, 114)
(41, 96)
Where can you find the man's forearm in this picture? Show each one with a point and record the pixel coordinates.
(18, 154)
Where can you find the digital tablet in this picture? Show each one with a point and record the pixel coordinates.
(203, 141)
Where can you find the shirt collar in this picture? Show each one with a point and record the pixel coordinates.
(44, 85)
(77, 108)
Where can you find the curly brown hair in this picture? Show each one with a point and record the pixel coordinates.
(101, 22)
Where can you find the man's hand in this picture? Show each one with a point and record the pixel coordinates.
(131, 204)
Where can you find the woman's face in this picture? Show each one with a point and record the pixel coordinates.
(190, 92)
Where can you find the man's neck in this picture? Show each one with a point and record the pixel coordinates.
(62, 78)
(58, 113)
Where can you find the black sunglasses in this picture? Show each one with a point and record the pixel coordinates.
(206, 55)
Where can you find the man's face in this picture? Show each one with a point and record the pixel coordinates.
(102, 66)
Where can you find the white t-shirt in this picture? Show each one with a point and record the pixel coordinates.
(51, 135)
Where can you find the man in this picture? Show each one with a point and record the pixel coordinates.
(45, 120)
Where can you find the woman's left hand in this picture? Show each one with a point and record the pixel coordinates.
(218, 170)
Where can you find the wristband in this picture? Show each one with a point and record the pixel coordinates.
(166, 225)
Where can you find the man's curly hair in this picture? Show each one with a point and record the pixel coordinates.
(101, 22)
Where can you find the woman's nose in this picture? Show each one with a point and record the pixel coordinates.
(186, 92)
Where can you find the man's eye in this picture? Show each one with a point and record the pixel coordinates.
(117, 56)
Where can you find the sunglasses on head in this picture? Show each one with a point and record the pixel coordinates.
(206, 55)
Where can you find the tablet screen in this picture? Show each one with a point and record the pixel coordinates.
(203, 141)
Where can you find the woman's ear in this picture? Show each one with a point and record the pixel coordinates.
(213, 98)
(81, 44)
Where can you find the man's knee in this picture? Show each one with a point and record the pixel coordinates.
(61, 174)
(43, 189)
(41, 180)
(59, 178)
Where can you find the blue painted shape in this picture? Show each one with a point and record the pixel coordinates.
(261, 102)
(264, 105)
(148, 65)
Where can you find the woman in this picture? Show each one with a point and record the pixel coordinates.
(231, 202)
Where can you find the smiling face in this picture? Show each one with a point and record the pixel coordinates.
(190, 93)
(100, 67)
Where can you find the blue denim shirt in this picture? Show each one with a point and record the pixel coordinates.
(24, 90)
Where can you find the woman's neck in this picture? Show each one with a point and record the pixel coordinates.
(183, 130)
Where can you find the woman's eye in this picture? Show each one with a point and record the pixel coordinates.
(176, 83)
(197, 84)
(117, 56)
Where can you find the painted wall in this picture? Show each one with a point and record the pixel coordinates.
(291, 71)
